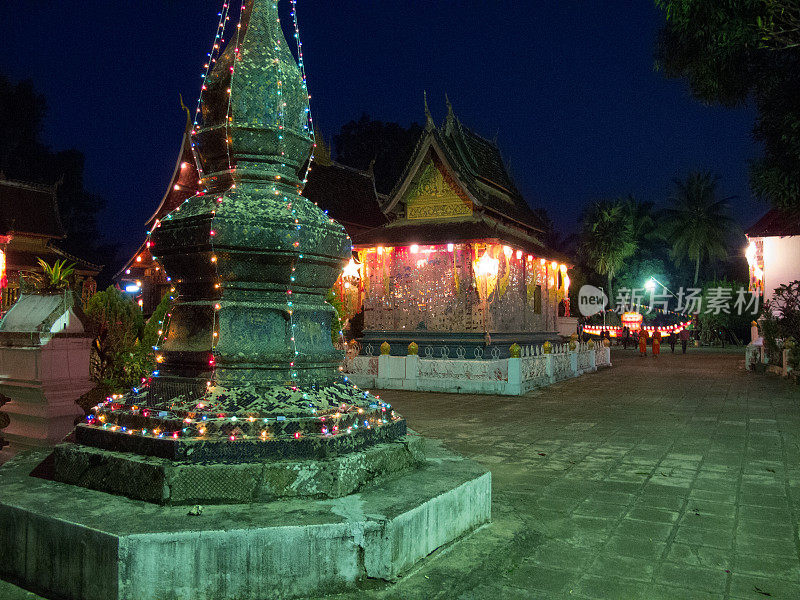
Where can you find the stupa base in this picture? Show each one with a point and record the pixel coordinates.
(164, 481)
(82, 544)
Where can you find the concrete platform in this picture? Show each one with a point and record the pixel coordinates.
(67, 542)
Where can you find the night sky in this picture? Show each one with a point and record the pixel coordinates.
(567, 88)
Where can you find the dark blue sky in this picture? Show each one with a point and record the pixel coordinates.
(567, 87)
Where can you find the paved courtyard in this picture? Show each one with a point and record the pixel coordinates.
(676, 477)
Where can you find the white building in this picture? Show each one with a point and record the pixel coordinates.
(774, 251)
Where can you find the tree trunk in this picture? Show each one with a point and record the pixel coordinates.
(610, 293)
(696, 269)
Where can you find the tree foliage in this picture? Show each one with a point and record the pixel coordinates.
(780, 324)
(607, 238)
(732, 53)
(389, 145)
(717, 326)
(785, 306)
(697, 224)
(781, 27)
(155, 323)
(337, 321)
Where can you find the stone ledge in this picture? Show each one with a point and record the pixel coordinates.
(202, 450)
(163, 481)
(86, 545)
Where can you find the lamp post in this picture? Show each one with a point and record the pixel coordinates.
(650, 285)
(604, 307)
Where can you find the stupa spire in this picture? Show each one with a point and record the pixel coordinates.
(254, 123)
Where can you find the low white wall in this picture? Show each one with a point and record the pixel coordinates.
(509, 377)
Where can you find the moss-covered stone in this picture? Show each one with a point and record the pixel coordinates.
(166, 481)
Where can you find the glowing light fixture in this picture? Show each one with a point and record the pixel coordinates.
(488, 266)
(351, 270)
(750, 254)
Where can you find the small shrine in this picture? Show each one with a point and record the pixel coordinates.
(44, 369)
(461, 262)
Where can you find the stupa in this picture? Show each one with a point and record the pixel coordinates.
(247, 467)
(247, 370)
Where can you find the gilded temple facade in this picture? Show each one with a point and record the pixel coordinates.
(461, 263)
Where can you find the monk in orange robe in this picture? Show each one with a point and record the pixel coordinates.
(656, 343)
(642, 342)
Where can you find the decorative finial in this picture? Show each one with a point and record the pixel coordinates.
(254, 119)
(188, 114)
(451, 116)
(429, 123)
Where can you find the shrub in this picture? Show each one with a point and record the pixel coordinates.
(53, 279)
(781, 323)
(117, 325)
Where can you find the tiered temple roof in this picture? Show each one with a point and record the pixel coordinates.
(30, 212)
(471, 198)
(347, 195)
(776, 223)
(29, 209)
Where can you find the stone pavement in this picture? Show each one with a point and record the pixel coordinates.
(668, 478)
(676, 477)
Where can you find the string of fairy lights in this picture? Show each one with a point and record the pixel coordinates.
(616, 330)
(216, 51)
(347, 418)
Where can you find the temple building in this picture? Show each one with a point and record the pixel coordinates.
(30, 228)
(142, 277)
(773, 253)
(460, 264)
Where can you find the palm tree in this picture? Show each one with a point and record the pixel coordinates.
(697, 223)
(643, 225)
(607, 238)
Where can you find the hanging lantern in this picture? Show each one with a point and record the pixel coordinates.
(3, 275)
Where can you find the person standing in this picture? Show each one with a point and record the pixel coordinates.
(656, 343)
(626, 337)
(642, 342)
(684, 337)
(672, 339)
